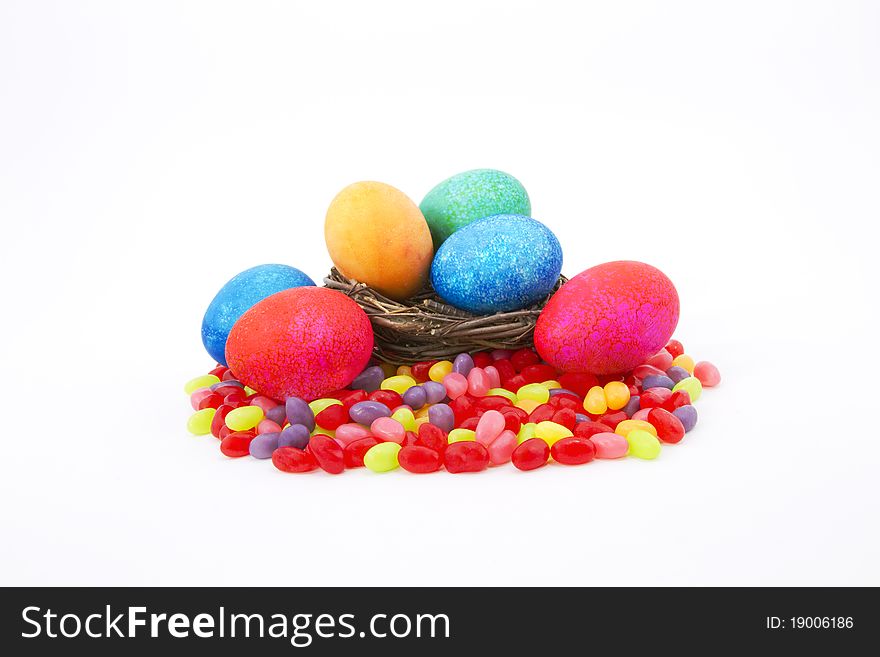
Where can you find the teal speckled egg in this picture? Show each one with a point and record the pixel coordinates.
(469, 196)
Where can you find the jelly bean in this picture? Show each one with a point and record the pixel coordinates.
(493, 376)
(642, 413)
(388, 369)
(684, 361)
(646, 370)
(534, 392)
(687, 415)
(580, 417)
(225, 387)
(471, 422)
(432, 437)
(435, 392)
(677, 399)
(422, 413)
(211, 401)
(351, 397)
(405, 370)
(219, 371)
(456, 384)
(542, 413)
(263, 445)
(296, 435)
(328, 453)
(229, 376)
(500, 354)
(198, 395)
(538, 372)
(409, 439)
(244, 418)
(405, 417)
(204, 381)
(502, 392)
(299, 412)
(199, 423)
(551, 385)
(481, 358)
(493, 402)
(415, 397)
(522, 358)
(502, 447)
(514, 383)
(563, 393)
(219, 420)
(370, 379)
(332, 417)
(625, 427)
(676, 374)
(461, 435)
(578, 382)
(382, 457)
(662, 360)
(250, 391)
(531, 454)
(609, 445)
(368, 412)
(268, 426)
(390, 398)
(235, 398)
(291, 459)
(512, 422)
(489, 427)
(505, 370)
(224, 431)
(565, 417)
(528, 405)
(348, 433)
(657, 381)
(616, 395)
(594, 402)
(419, 371)
(237, 444)
(707, 373)
(669, 428)
(675, 348)
(467, 456)
(442, 417)
(278, 415)
(263, 402)
(550, 432)
(399, 384)
(691, 385)
(566, 401)
(439, 370)
(353, 453)
(612, 419)
(526, 432)
(478, 382)
(642, 444)
(388, 429)
(631, 406)
(419, 460)
(463, 364)
(653, 397)
(573, 451)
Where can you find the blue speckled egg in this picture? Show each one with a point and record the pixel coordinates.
(238, 295)
(497, 264)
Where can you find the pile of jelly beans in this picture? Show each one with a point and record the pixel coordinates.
(465, 415)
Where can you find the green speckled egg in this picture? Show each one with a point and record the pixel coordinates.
(469, 196)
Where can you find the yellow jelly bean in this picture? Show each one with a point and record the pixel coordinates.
(199, 423)
(382, 457)
(535, 392)
(685, 361)
(398, 383)
(423, 412)
(503, 392)
(551, 385)
(320, 404)
(244, 418)
(526, 432)
(421, 420)
(626, 426)
(594, 402)
(459, 435)
(404, 370)
(616, 394)
(439, 370)
(692, 385)
(406, 418)
(249, 391)
(642, 444)
(204, 381)
(388, 369)
(550, 432)
(528, 405)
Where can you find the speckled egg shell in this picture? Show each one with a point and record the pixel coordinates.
(500, 263)
(608, 319)
(303, 342)
(240, 293)
(472, 195)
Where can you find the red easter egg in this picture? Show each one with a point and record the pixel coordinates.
(302, 342)
(608, 319)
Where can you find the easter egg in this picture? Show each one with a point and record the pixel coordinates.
(304, 342)
(376, 235)
(500, 263)
(608, 319)
(472, 195)
(240, 293)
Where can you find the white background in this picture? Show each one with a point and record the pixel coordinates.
(151, 150)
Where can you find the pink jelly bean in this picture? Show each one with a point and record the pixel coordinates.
(348, 433)
(494, 376)
(502, 447)
(478, 382)
(263, 402)
(661, 360)
(647, 370)
(388, 429)
(641, 414)
(268, 426)
(456, 385)
(198, 396)
(707, 373)
(609, 445)
(489, 427)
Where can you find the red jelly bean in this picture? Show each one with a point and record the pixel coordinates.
(470, 423)
(419, 460)
(579, 382)
(573, 451)
(463, 407)
(353, 454)
(522, 358)
(531, 454)
(505, 370)
(514, 383)
(419, 371)
(409, 438)
(237, 444)
(587, 429)
(566, 417)
(541, 413)
(669, 428)
(353, 397)
(219, 371)
(493, 402)
(643, 371)
(211, 401)
(675, 348)
(432, 437)
(612, 419)
(237, 396)
(538, 373)
(224, 431)
(328, 453)
(388, 397)
(228, 376)
(654, 397)
(291, 459)
(219, 420)
(482, 359)
(467, 456)
(332, 417)
(677, 399)
(567, 401)
(512, 422)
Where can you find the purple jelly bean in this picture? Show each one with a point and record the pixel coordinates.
(676, 374)
(296, 435)
(366, 412)
(562, 391)
(298, 412)
(580, 417)
(657, 381)
(436, 392)
(370, 379)
(688, 416)
(278, 414)
(463, 364)
(263, 445)
(632, 406)
(415, 397)
(231, 382)
(441, 415)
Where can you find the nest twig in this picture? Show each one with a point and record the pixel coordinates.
(425, 328)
